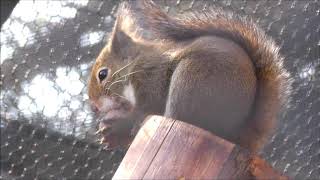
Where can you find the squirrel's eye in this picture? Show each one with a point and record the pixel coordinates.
(103, 73)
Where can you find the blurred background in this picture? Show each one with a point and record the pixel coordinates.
(48, 47)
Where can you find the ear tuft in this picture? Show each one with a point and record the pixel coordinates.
(120, 42)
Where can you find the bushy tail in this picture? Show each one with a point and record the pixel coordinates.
(273, 80)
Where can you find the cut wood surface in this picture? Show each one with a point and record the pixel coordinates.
(170, 149)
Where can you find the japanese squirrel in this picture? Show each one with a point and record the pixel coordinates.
(213, 69)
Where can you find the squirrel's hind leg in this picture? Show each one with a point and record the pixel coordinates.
(209, 89)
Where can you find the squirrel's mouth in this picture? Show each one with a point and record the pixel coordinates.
(111, 108)
(115, 113)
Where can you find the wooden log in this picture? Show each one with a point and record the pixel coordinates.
(170, 149)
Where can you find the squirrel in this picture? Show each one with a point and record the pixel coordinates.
(213, 69)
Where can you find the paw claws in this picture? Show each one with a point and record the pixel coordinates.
(102, 130)
(107, 147)
(97, 132)
(103, 140)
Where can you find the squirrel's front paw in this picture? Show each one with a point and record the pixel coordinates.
(115, 133)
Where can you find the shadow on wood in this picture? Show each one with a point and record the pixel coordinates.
(170, 149)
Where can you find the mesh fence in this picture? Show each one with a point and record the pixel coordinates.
(48, 47)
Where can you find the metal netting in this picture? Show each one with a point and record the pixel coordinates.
(48, 47)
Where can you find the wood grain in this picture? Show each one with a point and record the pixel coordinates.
(188, 152)
(143, 148)
(170, 149)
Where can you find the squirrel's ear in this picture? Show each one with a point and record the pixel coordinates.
(120, 42)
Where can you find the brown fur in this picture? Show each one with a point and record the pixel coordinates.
(213, 69)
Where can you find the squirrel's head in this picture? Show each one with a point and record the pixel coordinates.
(116, 64)
(117, 73)
(109, 85)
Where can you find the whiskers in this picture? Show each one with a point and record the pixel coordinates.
(119, 70)
(141, 66)
(120, 79)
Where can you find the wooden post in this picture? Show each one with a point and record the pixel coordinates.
(170, 149)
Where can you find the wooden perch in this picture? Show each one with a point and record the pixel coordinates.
(170, 149)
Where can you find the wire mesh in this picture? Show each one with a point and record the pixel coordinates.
(48, 47)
